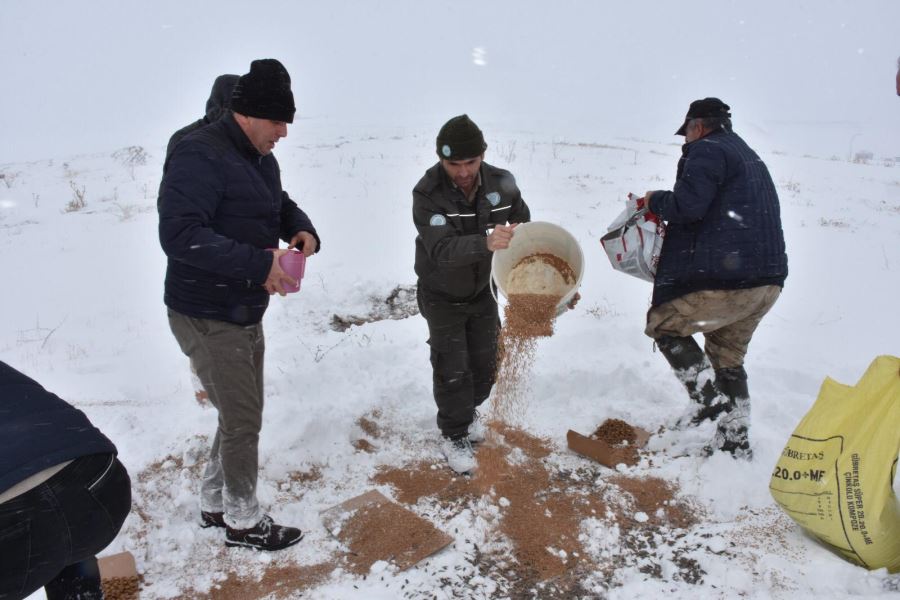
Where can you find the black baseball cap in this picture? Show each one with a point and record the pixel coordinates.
(702, 109)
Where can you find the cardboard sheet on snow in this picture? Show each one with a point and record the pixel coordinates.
(117, 565)
(119, 576)
(374, 528)
(607, 454)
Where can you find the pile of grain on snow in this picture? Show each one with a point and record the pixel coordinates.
(384, 530)
(541, 514)
(121, 588)
(615, 432)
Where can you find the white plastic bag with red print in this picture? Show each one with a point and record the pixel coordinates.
(635, 240)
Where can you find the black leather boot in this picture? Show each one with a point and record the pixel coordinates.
(693, 369)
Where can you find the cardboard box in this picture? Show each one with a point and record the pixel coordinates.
(604, 453)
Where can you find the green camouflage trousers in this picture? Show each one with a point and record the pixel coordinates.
(726, 318)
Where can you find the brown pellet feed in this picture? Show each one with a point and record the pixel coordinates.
(542, 510)
(121, 588)
(615, 432)
(388, 531)
(527, 318)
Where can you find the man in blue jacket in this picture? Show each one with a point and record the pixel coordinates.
(722, 267)
(63, 493)
(221, 214)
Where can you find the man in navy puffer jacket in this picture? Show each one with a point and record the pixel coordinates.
(722, 267)
(221, 213)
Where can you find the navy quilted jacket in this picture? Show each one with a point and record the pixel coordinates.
(220, 207)
(39, 430)
(723, 221)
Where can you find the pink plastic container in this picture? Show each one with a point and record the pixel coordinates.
(294, 264)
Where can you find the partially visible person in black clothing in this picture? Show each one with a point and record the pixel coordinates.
(463, 209)
(722, 267)
(217, 106)
(222, 212)
(63, 493)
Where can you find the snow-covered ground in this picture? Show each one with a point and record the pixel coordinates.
(83, 314)
(579, 100)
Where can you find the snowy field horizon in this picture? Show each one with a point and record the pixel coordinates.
(802, 78)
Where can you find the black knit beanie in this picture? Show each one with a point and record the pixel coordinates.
(265, 92)
(460, 139)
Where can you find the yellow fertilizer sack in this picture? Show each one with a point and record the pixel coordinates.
(835, 475)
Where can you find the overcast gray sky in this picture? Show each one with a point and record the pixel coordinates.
(802, 76)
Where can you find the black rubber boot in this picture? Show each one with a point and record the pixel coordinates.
(732, 433)
(693, 369)
(732, 382)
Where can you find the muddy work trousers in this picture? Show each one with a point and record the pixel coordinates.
(463, 341)
(726, 318)
(229, 363)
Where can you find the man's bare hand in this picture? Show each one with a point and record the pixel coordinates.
(306, 241)
(500, 237)
(278, 281)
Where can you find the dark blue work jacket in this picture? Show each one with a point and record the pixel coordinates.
(723, 221)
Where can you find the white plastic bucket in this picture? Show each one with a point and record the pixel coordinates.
(534, 238)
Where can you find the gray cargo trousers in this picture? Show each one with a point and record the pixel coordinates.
(229, 362)
(727, 319)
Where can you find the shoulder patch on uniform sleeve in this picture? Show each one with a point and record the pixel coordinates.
(507, 182)
(437, 220)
